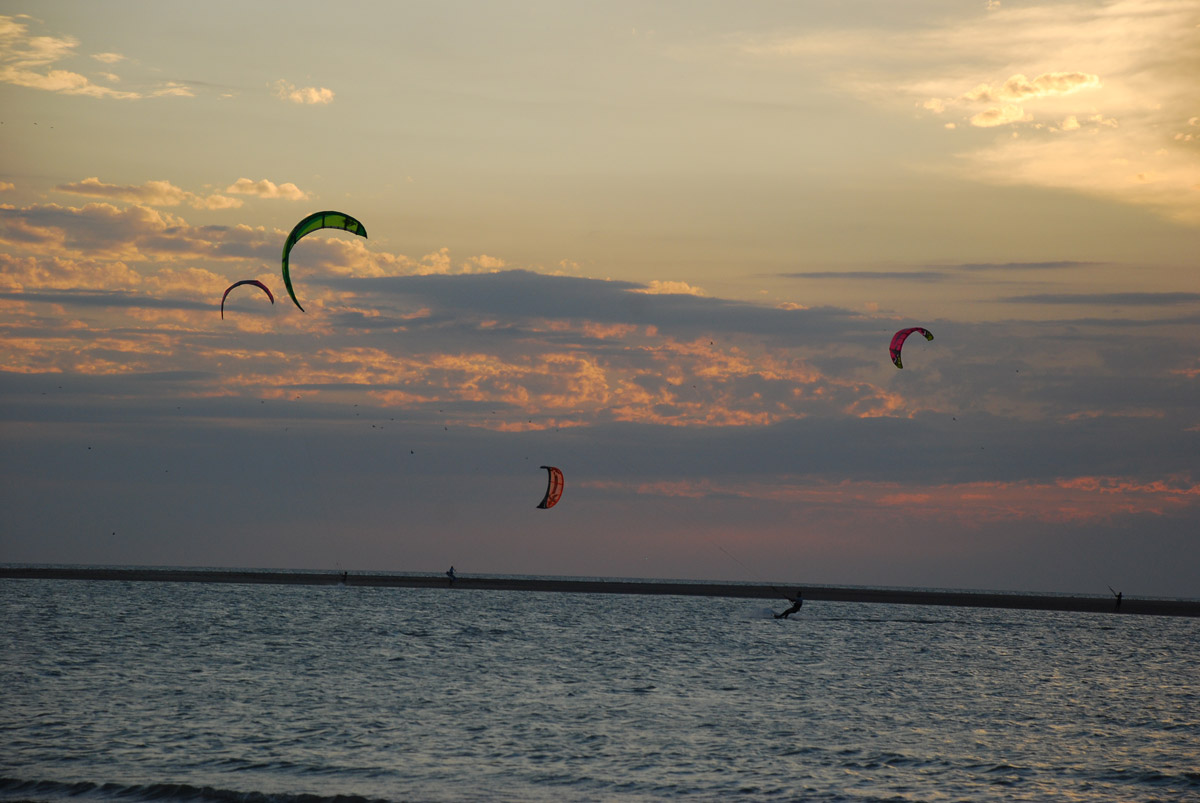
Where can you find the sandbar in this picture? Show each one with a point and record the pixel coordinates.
(812, 593)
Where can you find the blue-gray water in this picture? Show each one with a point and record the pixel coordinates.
(196, 692)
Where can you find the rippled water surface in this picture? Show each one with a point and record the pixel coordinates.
(175, 691)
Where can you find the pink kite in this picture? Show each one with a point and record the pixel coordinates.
(554, 488)
(898, 342)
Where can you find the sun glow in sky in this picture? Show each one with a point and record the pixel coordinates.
(662, 247)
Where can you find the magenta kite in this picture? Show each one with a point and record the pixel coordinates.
(898, 342)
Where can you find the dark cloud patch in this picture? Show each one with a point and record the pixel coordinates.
(870, 275)
(1051, 265)
(515, 295)
(1127, 323)
(106, 298)
(175, 376)
(358, 319)
(169, 245)
(1107, 299)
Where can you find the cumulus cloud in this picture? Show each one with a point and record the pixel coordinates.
(308, 95)
(5, 186)
(267, 189)
(152, 193)
(1019, 88)
(133, 233)
(1003, 115)
(656, 287)
(55, 273)
(1122, 71)
(25, 61)
(29, 60)
(435, 263)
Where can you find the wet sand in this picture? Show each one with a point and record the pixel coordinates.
(974, 599)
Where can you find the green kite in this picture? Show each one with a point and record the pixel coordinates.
(317, 220)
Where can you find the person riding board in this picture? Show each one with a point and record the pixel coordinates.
(797, 602)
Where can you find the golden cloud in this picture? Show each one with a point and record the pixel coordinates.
(26, 60)
(1003, 115)
(308, 95)
(267, 189)
(1019, 88)
(656, 287)
(151, 193)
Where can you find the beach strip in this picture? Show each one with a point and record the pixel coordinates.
(974, 599)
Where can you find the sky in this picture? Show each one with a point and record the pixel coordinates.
(662, 246)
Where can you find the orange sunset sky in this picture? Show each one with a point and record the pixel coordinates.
(661, 246)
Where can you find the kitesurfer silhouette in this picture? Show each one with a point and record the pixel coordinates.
(797, 602)
(450, 574)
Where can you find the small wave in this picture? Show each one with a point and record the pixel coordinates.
(13, 789)
(1153, 778)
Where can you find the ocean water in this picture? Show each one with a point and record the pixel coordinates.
(223, 692)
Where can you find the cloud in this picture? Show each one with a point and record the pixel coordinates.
(6, 186)
(173, 89)
(151, 193)
(1132, 168)
(868, 275)
(524, 294)
(267, 189)
(1003, 115)
(1108, 299)
(77, 298)
(1049, 265)
(1019, 88)
(1070, 499)
(25, 61)
(569, 351)
(54, 273)
(135, 233)
(29, 61)
(309, 95)
(656, 287)
(1117, 77)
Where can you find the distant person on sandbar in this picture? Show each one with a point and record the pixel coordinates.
(797, 603)
(1118, 605)
(344, 576)
(450, 574)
